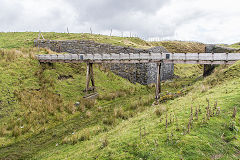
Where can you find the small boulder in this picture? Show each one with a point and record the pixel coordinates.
(77, 104)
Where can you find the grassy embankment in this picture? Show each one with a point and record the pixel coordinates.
(25, 40)
(184, 128)
(39, 118)
(36, 98)
(235, 45)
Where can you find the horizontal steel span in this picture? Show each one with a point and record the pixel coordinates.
(183, 58)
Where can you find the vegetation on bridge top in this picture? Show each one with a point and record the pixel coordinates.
(25, 39)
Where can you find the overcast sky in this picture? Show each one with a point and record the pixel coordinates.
(208, 21)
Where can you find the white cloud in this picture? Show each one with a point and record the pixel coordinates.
(209, 21)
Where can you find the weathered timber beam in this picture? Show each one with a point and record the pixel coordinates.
(158, 81)
(92, 76)
(89, 77)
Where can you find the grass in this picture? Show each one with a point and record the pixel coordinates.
(25, 39)
(37, 105)
(35, 101)
(181, 46)
(235, 45)
(44, 116)
(145, 136)
(190, 70)
(25, 84)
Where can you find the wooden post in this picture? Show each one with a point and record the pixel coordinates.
(89, 77)
(92, 78)
(158, 82)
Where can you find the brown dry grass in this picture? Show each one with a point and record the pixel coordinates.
(181, 46)
(113, 95)
(160, 110)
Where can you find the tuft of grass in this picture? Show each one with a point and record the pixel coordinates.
(3, 131)
(71, 108)
(141, 102)
(88, 114)
(119, 113)
(82, 135)
(160, 110)
(111, 96)
(109, 121)
(16, 131)
(105, 142)
(77, 137)
(88, 103)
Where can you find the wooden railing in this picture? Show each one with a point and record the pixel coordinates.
(184, 58)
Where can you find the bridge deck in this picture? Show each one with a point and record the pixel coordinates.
(184, 58)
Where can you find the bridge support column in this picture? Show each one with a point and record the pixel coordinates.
(90, 77)
(158, 82)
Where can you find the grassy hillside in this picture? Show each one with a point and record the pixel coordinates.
(40, 119)
(200, 125)
(235, 45)
(38, 102)
(25, 39)
(181, 46)
(37, 99)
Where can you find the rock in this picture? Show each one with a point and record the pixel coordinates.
(212, 48)
(219, 49)
(77, 104)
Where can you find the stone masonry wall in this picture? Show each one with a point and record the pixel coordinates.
(212, 48)
(219, 49)
(143, 73)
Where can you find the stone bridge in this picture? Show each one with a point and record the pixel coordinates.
(143, 73)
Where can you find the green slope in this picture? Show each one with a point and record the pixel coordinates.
(235, 45)
(38, 118)
(145, 136)
(181, 46)
(35, 99)
(25, 39)
(37, 102)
